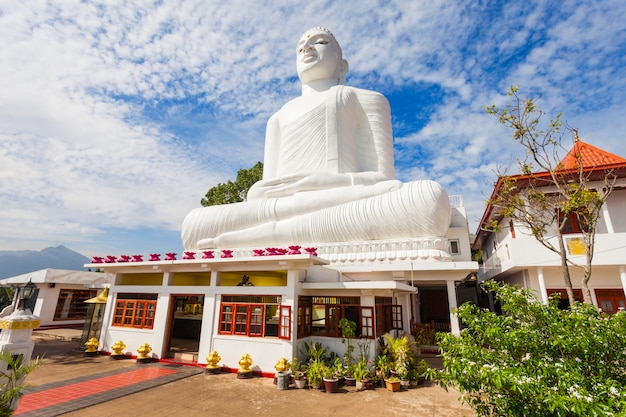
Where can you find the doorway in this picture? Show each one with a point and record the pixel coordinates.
(185, 327)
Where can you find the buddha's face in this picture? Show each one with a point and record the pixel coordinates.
(318, 57)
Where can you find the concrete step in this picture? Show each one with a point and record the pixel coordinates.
(186, 356)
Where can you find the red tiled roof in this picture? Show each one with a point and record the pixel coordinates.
(595, 160)
(591, 156)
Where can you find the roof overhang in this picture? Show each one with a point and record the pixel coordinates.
(360, 285)
(60, 276)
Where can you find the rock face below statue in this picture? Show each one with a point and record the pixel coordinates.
(328, 173)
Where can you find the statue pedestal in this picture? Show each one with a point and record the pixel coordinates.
(16, 335)
(16, 339)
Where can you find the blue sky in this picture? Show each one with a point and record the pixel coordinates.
(116, 117)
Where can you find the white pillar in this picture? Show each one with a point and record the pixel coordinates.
(622, 276)
(454, 321)
(607, 219)
(542, 286)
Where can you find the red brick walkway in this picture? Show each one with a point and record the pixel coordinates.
(57, 398)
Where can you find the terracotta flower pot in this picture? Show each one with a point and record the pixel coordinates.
(331, 385)
(392, 386)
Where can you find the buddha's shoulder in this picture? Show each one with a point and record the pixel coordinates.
(359, 92)
(362, 95)
(343, 93)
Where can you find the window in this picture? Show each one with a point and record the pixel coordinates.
(571, 223)
(563, 299)
(254, 316)
(284, 326)
(454, 247)
(326, 313)
(304, 317)
(321, 315)
(611, 301)
(388, 315)
(367, 322)
(71, 304)
(135, 310)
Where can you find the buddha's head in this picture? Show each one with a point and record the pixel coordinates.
(319, 57)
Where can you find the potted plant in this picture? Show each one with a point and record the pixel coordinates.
(315, 373)
(402, 357)
(339, 371)
(11, 380)
(331, 381)
(361, 374)
(348, 332)
(413, 377)
(349, 374)
(315, 352)
(393, 383)
(404, 378)
(297, 371)
(426, 338)
(422, 370)
(383, 365)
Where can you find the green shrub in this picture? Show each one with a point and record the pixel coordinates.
(535, 360)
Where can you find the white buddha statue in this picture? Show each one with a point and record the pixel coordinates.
(328, 171)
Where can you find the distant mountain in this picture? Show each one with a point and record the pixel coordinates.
(24, 261)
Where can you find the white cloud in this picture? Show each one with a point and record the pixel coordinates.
(119, 115)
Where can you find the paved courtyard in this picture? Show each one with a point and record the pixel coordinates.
(70, 384)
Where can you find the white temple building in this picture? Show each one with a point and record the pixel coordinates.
(199, 305)
(328, 233)
(514, 256)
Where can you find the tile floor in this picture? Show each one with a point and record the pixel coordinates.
(61, 397)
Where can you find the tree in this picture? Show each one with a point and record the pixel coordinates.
(234, 191)
(12, 380)
(547, 195)
(6, 296)
(536, 360)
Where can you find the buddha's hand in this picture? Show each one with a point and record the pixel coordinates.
(289, 185)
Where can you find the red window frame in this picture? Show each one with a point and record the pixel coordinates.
(226, 319)
(284, 322)
(369, 317)
(610, 300)
(248, 319)
(241, 319)
(134, 313)
(572, 225)
(256, 320)
(367, 322)
(305, 312)
(396, 316)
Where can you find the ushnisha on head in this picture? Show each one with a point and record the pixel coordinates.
(319, 58)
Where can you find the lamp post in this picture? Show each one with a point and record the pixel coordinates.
(17, 328)
(25, 292)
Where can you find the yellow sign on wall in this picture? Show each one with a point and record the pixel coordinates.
(576, 247)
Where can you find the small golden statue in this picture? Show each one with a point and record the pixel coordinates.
(144, 350)
(92, 347)
(245, 372)
(212, 363)
(118, 350)
(282, 365)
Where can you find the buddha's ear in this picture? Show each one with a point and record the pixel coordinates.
(343, 71)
